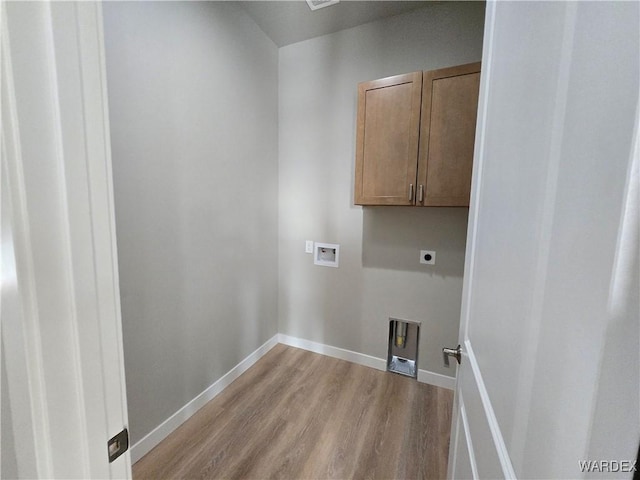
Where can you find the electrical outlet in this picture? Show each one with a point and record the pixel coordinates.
(428, 257)
(308, 246)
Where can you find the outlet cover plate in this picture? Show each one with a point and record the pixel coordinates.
(427, 257)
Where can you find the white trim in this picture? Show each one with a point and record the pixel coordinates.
(335, 352)
(472, 226)
(37, 405)
(106, 145)
(478, 166)
(467, 437)
(437, 379)
(424, 376)
(49, 79)
(496, 433)
(93, 116)
(72, 227)
(144, 446)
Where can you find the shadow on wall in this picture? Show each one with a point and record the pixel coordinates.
(392, 238)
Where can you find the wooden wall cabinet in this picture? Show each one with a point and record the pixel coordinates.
(415, 138)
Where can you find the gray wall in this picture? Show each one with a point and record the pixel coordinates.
(379, 274)
(193, 106)
(211, 226)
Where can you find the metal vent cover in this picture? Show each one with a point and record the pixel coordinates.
(404, 338)
(316, 4)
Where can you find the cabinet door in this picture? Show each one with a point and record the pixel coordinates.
(447, 135)
(387, 140)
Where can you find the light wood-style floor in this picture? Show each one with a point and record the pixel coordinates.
(300, 415)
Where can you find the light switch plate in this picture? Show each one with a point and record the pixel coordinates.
(308, 246)
(428, 257)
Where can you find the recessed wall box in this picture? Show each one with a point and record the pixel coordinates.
(404, 337)
(326, 254)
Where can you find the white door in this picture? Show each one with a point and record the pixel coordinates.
(549, 381)
(61, 332)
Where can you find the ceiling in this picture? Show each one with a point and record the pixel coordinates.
(287, 22)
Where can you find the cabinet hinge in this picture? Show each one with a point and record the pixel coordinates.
(118, 445)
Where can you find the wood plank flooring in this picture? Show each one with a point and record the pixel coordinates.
(300, 415)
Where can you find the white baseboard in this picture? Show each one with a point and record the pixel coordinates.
(335, 352)
(437, 379)
(424, 376)
(142, 447)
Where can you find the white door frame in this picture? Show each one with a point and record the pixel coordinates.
(66, 333)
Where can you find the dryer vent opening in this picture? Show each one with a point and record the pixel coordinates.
(403, 347)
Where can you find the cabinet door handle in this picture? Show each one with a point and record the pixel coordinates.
(420, 193)
(411, 192)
